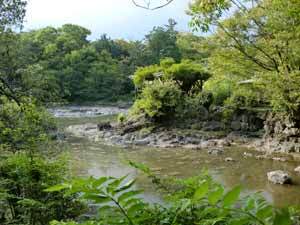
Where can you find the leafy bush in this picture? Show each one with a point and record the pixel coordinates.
(188, 75)
(22, 197)
(158, 100)
(198, 200)
(283, 90)
(144, 74)
(195, 106)
(24, 126)
(121, 118)
(220, 88)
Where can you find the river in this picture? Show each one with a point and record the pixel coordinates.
(90, 158)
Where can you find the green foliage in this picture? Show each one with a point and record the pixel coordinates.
(145, 74)
(116, 201)
(161, 42)
(158, 100)
(121, 118)
(285, 91)
(23, 127)
(12, 13)
(171, 90)
(22, 183)
(193, 47)
(251, 44)
(220, 88)
(188, 75)
(198, 200)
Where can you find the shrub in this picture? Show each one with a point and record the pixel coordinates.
(220, 88)
(158, 100)
(195, 106)
(23, 180)
(144, 74)
(198, 200)
(188, 75)
(121, 118)
(24, 126)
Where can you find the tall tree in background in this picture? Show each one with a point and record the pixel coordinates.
(161, 42)
(12, 13)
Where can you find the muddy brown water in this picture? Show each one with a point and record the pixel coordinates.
(97, 159)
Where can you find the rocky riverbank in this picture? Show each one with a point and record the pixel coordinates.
(262, 131)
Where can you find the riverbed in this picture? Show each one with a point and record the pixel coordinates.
(90, 158)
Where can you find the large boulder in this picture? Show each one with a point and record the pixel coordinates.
(279, 177)
(297, 170)
(236, 125)
(282, 133)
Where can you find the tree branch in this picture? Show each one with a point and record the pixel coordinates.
(148, 5)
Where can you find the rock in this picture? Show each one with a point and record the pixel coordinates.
(229, 159)
(223, 143)
(247, 154)
(279, 177)
(297, 170)
(261, 157)
(192, 146)
(235, 125)
(191, 140)
(104, 126)
(213, 126)
(142, 142)
(208, 144)
(59, 136)
(279, 159)
(215, 151)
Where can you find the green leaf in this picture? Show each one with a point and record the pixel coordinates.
(98, 182)
(201, 191)
(129, 202)
(57, 188)
(97, 198)
(128, 194)
(283, 217)
(250, 204)
(215, 196)
(185, 203)
(112, 187)
(265, 212)
(134, 209)
(140, 166)
(126, 186)
(240, 221)
(232, 196)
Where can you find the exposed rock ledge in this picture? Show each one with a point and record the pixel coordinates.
(172, 138)
(160, 137)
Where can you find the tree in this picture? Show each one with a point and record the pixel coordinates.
(262, 33)
(12, 13)
(161, 42)
(187, 75)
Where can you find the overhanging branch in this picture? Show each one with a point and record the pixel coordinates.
(148, 5)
